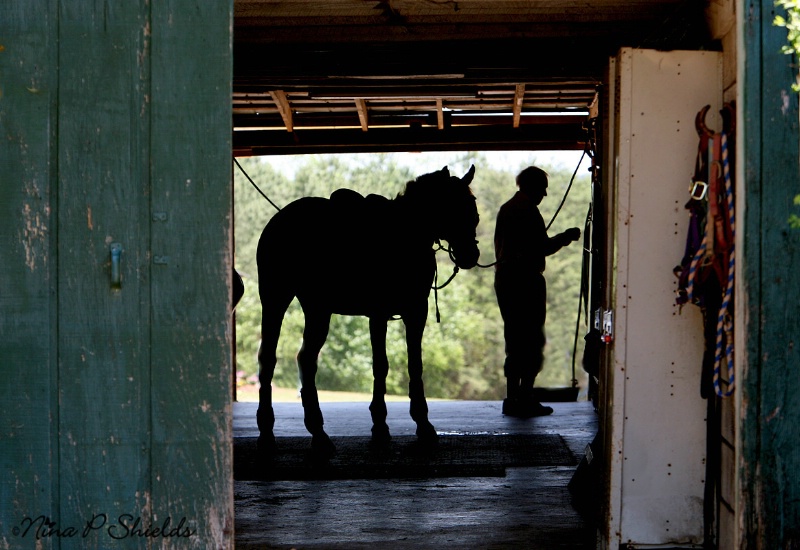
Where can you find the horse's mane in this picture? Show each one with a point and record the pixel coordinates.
(414, 187)
(425, 185)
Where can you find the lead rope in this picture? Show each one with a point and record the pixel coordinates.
(701, 251)
(725, 320)
(236, 162)
(436, 287)
(436, 293)
(566, 193)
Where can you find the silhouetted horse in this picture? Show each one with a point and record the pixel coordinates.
(355, 255)
(237, 288)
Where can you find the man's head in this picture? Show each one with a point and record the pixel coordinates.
(533, 182)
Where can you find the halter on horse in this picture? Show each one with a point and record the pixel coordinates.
(355, 255)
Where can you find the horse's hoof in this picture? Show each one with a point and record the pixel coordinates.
(266, 447)
(427, 435)
(322, 446)
(380, 436)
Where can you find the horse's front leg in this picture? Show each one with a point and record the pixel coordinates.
(274, 306)
(380, 370)
(415, 326)
(314, 335)
(265, 417)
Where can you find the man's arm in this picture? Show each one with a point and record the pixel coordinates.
(554, 244)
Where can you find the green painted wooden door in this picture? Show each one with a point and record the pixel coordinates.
(28, 360)
(103, 195)
(116, 263)
(769, 386)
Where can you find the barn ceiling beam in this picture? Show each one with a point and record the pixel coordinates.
(422, 64)
(354, 140)
(632, 30)
(409, 119)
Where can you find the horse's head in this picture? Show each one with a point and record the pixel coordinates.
(450, 211)
(458, 218)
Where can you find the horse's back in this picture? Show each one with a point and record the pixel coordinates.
(316, 232)
(345, 216)
(289, 227)
(347, 254)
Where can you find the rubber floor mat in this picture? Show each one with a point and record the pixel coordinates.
(356, 458)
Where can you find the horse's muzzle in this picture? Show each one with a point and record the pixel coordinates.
(466, 257)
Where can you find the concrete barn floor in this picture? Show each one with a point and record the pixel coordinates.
(531, 507)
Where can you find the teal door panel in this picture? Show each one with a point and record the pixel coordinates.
(28, 261)
(769, 385)
(115, 201)
(103, 309)
(191, 243)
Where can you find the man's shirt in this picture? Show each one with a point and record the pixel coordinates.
(520, 237)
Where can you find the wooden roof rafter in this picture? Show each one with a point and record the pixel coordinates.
(519, 97)
(279, 97)
(361, 107)
(514, 99)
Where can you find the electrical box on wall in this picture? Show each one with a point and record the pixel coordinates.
(654, 418)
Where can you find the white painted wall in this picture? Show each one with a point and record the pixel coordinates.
(655, 418)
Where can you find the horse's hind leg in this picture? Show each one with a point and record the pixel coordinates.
(314, 335)
(273, 308)
(415, 326)
(380, 369)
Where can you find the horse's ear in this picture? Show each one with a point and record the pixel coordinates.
(445, 171)
(467, 179)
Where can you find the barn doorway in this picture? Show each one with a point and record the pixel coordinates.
(527, 484)
(469, 332)
(427, 77)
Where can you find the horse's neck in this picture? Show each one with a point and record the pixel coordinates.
(418, 217)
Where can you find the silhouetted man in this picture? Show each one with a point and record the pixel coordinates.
(521, 245)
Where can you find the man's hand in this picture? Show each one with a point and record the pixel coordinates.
(572, 234)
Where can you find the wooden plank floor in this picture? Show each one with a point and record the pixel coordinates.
(528, 508)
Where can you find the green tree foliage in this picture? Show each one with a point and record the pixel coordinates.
(794, 219)
(792, 23)
(463, 354)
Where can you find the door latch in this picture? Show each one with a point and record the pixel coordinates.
(116, 271)
(608, 327)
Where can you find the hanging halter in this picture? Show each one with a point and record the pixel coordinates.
(711, 241)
